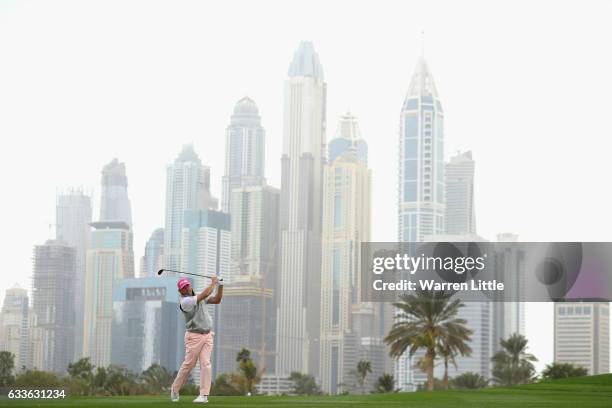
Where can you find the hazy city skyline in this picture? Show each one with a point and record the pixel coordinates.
(85, 94)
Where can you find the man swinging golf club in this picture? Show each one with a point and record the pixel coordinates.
(198, 335)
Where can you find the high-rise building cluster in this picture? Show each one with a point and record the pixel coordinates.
(436, 204)
(291, 254)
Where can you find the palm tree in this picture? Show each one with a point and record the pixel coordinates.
(513, 365)
(450, 346)
(363, 368)
(248, 369)
(385, 383)
(83, 370)
(7, 363)
(447, 355)
(243, 355)
(99, 380)
(251, 376)
(425, 319)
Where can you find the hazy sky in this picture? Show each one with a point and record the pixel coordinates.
(525, 85)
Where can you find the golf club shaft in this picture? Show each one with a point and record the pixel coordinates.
(187, 273)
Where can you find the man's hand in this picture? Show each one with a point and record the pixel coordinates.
(215, 300)
(207, 292)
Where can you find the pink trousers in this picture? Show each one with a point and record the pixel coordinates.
(196, 346)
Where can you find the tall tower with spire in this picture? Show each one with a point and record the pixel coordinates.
(244, 151)
(421, 201)
(421, 159)
(303, 159)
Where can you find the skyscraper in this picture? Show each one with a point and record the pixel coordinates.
(110, 257)
(248, 312)
(461, 227)
(255, 234)
(206, 250)
(247, 321)
(206, 245)
(244, 150)
(148, 327)
(53, 302)
(582, 335)
(346, 224)
(187, 188)
(421, 182)
(73, 215)
(509, 317)
(14, 325)
(154, 252)
(302, 161)
(36, 343)
(460, 214)
(114, 202)
(421, 206)
(250, 303)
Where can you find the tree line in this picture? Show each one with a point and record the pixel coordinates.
(428, 322)
(427, 325)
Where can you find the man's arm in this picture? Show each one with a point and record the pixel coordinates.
(206, 292)
(215, 300)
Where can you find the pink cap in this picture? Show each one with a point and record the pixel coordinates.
(183, 282)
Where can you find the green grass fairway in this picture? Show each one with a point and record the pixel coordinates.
(595, 391)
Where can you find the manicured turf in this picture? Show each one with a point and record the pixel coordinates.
(595, 391)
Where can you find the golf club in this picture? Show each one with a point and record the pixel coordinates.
(187, 273)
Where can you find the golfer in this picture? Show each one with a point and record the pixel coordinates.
(198, 335)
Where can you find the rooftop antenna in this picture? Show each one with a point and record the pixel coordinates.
(422, 44)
